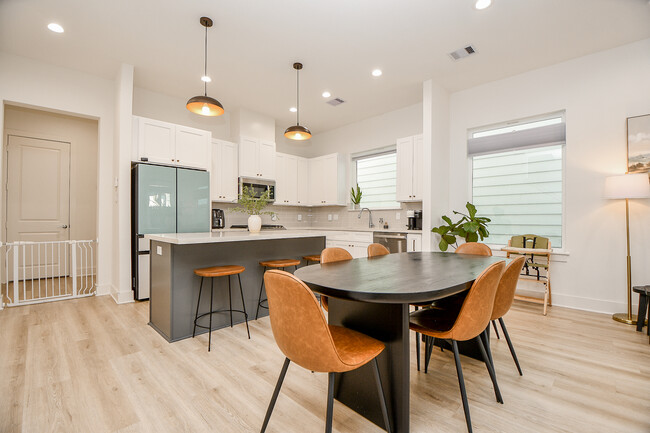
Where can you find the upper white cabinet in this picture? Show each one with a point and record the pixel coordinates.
(223, 175)
(303, 182)
(409, 168)
(167, 143)
(327, 180)
(286, 181)
(256, 158)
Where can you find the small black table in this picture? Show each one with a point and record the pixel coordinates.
(372, 295)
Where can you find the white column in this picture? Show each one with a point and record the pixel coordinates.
(121, 275)
(435, 131)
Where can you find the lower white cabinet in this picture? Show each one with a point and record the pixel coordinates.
(356, 243)
(223, 173)
(413, 242)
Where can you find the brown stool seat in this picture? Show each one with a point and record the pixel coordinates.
(312, 258)
(219, 271)
(281, 263)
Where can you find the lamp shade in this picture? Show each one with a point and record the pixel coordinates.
(297, 132)
(205, 106)
(627, 186)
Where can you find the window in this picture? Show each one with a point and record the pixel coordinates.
(376, 175)
(517, 178)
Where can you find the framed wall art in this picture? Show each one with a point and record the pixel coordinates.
(638, 144)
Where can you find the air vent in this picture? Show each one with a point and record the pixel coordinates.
(462, 53)
(336, 101)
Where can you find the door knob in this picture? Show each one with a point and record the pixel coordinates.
(64, 226)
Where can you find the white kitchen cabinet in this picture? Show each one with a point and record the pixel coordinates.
(192, 147)
(223, 175)
(413, 242)
(303, 182)
(356, 243)
(170, 144)
(286, 180)
(409, 168)
(256, 158)
(327, 180)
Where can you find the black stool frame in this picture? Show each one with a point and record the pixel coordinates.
(211, 312)
(259, 299)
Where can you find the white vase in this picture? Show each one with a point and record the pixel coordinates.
(254, 223)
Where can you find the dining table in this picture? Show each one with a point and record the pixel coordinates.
(372, 296)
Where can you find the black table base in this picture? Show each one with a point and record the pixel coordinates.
(389, 324)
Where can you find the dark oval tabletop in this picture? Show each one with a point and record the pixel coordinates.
(396, 278)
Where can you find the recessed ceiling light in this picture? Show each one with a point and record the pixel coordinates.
(206, 79)
(326, 94)
(377, 73)
(482, 4)
(56, 28)
(293, 109)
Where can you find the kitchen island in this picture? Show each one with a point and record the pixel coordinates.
(175, 288)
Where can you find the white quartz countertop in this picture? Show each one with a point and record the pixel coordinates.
(231, 236)
(329, 229)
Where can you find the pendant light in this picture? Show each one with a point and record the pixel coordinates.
(203, 104)
(297, 132)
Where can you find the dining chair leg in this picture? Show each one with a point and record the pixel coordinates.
(276, 392)
(510, 346)
(198, 302)
(417, 348)
(486, 343)
(230, 300)
(461, 383)
(243, 306)
(382, 398)
(496, 330)
(211, 296)
(490, 369)
(330, 402)
(429, 349)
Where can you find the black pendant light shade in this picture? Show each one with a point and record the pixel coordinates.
(203, 104)
(297, 132)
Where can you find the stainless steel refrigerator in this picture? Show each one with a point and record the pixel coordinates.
(164, 200)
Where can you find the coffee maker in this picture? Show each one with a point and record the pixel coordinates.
(414, 219)
(218, 219)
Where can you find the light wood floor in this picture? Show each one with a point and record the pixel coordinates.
(89, 365)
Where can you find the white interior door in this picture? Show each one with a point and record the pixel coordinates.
(38, 203)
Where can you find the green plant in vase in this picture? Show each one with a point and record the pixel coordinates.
(254, 207)
(470, 227)
(355, 196)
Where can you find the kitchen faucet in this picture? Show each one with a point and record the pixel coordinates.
(370, 224)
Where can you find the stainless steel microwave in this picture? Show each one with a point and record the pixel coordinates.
(258, 186)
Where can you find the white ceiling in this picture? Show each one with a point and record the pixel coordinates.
(254, 43)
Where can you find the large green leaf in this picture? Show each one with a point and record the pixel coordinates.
(443, 245)
(446, 219)
(472, 209)
(472, 237)
(440, 230)
(449, 239)
(471, 227)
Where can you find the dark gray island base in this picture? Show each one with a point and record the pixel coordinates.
(175, 288)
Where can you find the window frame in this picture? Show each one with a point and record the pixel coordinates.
(352, 180)
(470, 174)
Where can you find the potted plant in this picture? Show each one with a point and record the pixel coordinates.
(355, 197)
(470, 227)
(253, 206)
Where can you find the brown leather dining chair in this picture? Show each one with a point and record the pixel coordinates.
(330, 255)
(375, 250)
(304, 336)
(475, 248)
(467, 324)
(503, 301)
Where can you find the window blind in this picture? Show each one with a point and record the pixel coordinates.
(377, 178)
(521, 192)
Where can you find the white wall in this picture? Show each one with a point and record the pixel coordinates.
(35, 84)
(598, 92)
(367, 134)
(172, 109)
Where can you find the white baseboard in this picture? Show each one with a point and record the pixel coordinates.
(121, 297)
(582, 303)
(103, 289)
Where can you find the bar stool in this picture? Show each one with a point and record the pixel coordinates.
(311, 258)
(212, 273)
(273, 264)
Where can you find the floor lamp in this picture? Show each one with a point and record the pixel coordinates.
(627, 186)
